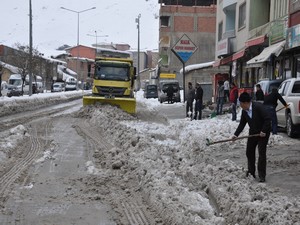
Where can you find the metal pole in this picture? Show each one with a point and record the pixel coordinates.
(183, 73)
(96, 36)
(138, 57)
(78, 12)
(77, 46)
(96, 40)
(30, 49)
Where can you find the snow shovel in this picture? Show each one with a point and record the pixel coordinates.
(208, 142)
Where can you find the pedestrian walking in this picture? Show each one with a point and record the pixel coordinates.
(199, 102)
(190, 96)
(226, 90)
(220, 97)
(170, 93)
(233, 97)
(258, 119)
(259, 94)
(270, 101)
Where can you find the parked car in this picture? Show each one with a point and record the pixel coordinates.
(289, 118)
(71, 84)
(268, 85)
(151, 91)
(163, 86)
(58, 87)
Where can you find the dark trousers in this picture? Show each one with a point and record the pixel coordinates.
(189, 107)
(226, 95)
(272, 113)
(261, 143)
(198, 110)
(233, 111)
(170, 98)
(220, 102)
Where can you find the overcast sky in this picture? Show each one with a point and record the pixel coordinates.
(53, 26)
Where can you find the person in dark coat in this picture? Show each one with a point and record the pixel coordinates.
(259, 94)
(190, 96)
(220, 97)
(259, 121)
(199, 102)
(270, 102)
(170, 93)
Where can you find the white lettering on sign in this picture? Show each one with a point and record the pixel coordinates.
(185, 42)
(187, 48)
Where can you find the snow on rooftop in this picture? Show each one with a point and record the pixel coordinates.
(197, 66)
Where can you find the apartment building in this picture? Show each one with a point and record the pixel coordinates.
(251, 40)
(292, 61)
(196, 21)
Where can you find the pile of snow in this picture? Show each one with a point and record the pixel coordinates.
(20, 103)
(178, 172)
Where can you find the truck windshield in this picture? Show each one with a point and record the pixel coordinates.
(112, 73)
(15, 82)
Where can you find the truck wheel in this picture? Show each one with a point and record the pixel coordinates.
(290, 127)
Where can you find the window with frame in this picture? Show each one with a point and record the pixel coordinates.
(164, 21)
(242, 15)
(220, 31)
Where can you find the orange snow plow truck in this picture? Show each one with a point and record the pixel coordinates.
(114, 78)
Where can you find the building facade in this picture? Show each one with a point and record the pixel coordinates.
(197, 21)
(42, 66)
(252, 40)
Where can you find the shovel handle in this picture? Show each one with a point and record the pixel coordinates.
(231, 139)
(282, 108)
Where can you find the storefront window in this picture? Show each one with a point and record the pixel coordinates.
(298, 66)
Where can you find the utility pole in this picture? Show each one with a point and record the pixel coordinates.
(30, 48)
(137, 20)
(96, 36)
(78, 13)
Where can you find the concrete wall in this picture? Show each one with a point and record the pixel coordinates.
(198, 23)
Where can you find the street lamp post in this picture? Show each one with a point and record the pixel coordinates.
(97, 37)
(137, 20)
(78, 13)
(30, 48)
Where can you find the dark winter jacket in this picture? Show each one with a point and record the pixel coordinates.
(190, 94)
(259, 95)
(272, 99)
(233, 96)
(199, 94)
(260, 121)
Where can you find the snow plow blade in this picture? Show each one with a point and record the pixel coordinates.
(126, 104)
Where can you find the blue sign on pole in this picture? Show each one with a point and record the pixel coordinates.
(184, 48)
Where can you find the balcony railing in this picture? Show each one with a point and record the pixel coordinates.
(259, 31)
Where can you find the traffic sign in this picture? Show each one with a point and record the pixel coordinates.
(184, 48)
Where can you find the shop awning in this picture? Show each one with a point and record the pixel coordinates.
(255, 41)
(238, 55)
(217, 63)
(264, 56)
(223, 61)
